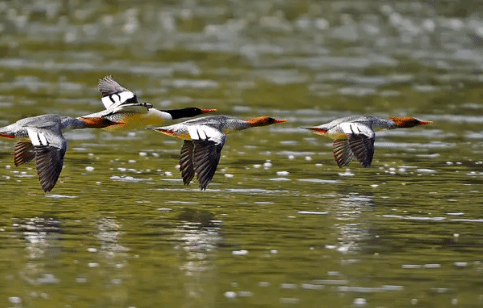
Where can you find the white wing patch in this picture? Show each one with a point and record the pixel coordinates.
(117, 98)
(193, 133)
(357, 129)
(134, 108)
(42, 138)
(37, 138)
(204, 132)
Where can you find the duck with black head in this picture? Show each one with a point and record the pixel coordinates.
(123, 107)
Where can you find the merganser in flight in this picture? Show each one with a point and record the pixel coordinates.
(354, 135)
(118, 103)
(204, 139)
(47, 144)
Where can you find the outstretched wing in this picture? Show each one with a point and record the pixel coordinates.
(186, 161)
(131, 108)
(49, 165)
(113, 94)
(206, 156)
(108, 86)
(363, 149)
(208, 143)
(23, 152)
(50, 147)
(361, 141)
(342, 152)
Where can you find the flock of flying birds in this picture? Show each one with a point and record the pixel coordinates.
(41, 136)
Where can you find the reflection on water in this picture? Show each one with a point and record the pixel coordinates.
(42, 236)
(42, 252)
(198, 234)
(111, 262)
(352, 228)
(108, 236)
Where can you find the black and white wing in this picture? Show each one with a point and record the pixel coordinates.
(361, 141)
(50, 147)
(113, 94)
(207, 145)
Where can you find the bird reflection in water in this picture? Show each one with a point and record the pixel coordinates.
(108, 233)
(352, 229)
(198, 235)
(42, 245)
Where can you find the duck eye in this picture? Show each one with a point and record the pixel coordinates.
(271, 120)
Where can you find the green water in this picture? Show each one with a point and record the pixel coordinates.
(280, 225)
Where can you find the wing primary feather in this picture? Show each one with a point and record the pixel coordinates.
(363, 148)
(342, 153)
(49, 162)
(108, 86)
(186, 162)
(23, 153)
(206, 156)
